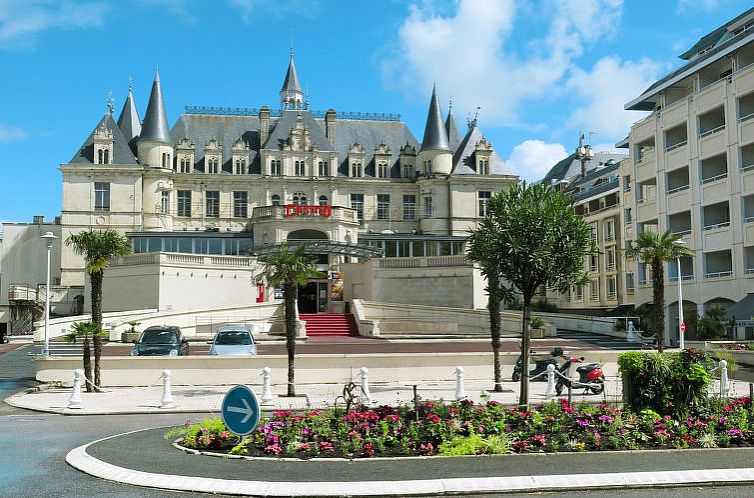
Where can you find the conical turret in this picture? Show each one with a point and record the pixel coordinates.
(435, 136)
(291, 94)
(128, 121)
(454, 138)
(156, 127)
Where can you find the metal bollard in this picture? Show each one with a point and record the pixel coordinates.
(460, 391)
(74, 402)
(167, 396)
(550, 391)
(365, 384)
(266, 386)
(723, 378)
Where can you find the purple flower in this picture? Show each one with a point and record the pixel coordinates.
(735, 433)
(605, 419)
(582, 423)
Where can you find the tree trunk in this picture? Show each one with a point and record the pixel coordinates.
(658, 289)
(526, 336)
(86, 355)
(493, 305)
(96, 280)
(289, 291)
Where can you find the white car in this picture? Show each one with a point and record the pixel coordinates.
(233, 340)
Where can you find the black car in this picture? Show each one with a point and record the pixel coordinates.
(161, 341)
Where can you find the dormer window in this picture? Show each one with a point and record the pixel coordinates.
(240, 167)
(484, 167)
(103, 156)
(408, 171)
(213, 165)
(184, 165)
(357, 170)
(382, 170)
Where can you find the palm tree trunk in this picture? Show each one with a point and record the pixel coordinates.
(526, 336)
(658, 289)
(96, 280)
(493, 305)
(289, 291)
(87, 359)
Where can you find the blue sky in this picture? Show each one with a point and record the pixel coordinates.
(539, 71)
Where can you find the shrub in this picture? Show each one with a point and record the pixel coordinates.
(537, 322)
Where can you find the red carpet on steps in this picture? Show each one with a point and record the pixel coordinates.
(329, 324)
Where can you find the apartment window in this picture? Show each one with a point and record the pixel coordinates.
(383, 206)
(609, 228)
(101, 196)
(610, 256)
(627, 215)
(578, 293)
(184, 203)
(322, 200)
(408, 171)
(212, 198)
(356, 169)
(594, 262)
(611, 288)
(409, 207)
(594, 234)
(594, 290)
(300, 168)
(382, 170)
(357, 204)
(165, 202)
(275, 168)
(627, 183)
(427, 207)
(275, 200)
(240, 166)
(484, 199)
(240, 204)
(324, 168)
(630, 285)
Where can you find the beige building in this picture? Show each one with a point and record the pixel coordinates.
(691, 170)
(229, 182)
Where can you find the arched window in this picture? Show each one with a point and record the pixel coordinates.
(322, 200)
(299, 198)
(275, 200)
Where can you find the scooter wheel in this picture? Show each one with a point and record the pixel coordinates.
(516, 377)
(559, 388)
(598, 388)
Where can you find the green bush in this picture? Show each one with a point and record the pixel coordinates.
(537, 322)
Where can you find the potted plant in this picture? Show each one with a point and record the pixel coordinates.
(537, 327)
(131, 334)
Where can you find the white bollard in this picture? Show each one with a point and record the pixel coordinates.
(460, 391)
(74, 402)
(631, 332)
(365, 385)
(723, 378)
(167, 396)
(550, 391)
(266, 386)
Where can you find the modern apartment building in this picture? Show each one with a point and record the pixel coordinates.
(691, 170)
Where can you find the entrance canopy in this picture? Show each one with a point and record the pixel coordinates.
(323, 247)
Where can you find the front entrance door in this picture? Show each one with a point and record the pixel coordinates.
(312, 298)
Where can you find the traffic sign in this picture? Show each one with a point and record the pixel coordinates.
(240, 410)
(683, 326)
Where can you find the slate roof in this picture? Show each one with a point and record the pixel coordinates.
(463, 159)
(122, 153)
(454, 138)
(571, 166)
(129, 122)
(290, 84)
(435, 136)
(286, 123)
(156, 127)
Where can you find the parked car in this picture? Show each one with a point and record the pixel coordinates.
(161, 340)
(233, 340)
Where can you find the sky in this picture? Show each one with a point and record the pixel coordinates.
(536, 72)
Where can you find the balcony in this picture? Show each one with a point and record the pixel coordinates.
(310, 212)
(718, 264)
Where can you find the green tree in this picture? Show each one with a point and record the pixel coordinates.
(86, 332)
(98, 248)
(531, 239)
(291, 269)
(655, 250)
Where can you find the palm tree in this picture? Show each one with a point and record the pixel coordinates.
(98, 249)
(654, 249)
(85, 331)
(291, 269)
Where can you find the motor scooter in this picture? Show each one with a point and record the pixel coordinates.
(541, 360)
(591, 377)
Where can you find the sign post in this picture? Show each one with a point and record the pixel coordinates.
(683, 334)
(240, 410)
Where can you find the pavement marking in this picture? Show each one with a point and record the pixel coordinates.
(81, 460)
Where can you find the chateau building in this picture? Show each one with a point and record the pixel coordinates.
(239, 181)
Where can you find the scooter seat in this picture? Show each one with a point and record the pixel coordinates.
(588, 367)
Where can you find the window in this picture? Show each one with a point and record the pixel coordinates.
(594, 262)
(166, 160)
(275, 200)
(299, 198)
(185, 164)
(382, 170)
(275, 168)
(408, 171)
(103, 156)
(324, 168)
(240, 166)
(165, 202)
(101, 196)
(609, 228)
(212, 198)
(322, 200)
(630, 283)
(300, 167)
(240, 204)
(383, 206)
(484, 199)
(611, 288)
(578, 293)
(428, 207)
(610, 255)
(212, 165)
(428, 167)
(594, 234)
(409, 207)
(356, 169)
(594, 290)
(357, 204)
(484, 166)
(184, 203)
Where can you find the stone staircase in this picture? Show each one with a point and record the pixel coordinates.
(329, 324)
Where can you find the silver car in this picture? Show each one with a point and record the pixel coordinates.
(233, 340)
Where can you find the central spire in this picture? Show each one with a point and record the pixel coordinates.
(156, 127)
(291, 95)
(435, 136)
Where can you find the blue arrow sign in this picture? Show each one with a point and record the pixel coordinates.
(240, 410)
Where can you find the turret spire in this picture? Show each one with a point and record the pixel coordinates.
(454, 138)
(435, 136)
(128, 121)
(291, 94)
(156, 127)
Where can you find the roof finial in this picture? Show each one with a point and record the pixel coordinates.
(110, 102)
(471, 122)
(291, 42)
(450, 105)
(130, 84)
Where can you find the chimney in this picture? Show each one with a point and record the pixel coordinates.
(38, 220)
(264, 125)
(330, 125)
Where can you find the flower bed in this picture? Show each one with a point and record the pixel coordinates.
(736, 347)
(465, 428)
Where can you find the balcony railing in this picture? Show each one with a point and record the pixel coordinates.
(747, 167)
(746, 117)
(714, 178)
(676, 146)
(681, 233)
(750, 271)
(711, 132)
(724, 224)
(684, 278)
(718, 274)
(677, 189)
(748, 219)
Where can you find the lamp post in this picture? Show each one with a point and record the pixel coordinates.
(584, 153)
(681, 325)
(49, 238)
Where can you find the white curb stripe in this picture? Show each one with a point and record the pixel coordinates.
(81, 460)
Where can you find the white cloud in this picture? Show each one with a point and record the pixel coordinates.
(696, 5)
(531, 159)
(22, 21)
(10, 134)
(468, 52)
(604, 90)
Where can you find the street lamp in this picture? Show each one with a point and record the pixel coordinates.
(584, 153)
(681, 325)
(49, 238)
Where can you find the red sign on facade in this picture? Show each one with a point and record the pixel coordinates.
(325, 210)
(683, 327)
